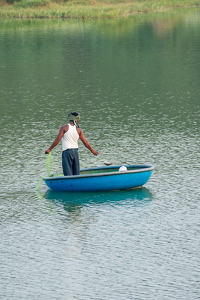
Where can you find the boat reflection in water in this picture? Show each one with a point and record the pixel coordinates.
(136, 197)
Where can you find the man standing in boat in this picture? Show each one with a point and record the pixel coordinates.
(70, 134)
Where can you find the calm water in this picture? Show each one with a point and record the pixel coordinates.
(136, 84)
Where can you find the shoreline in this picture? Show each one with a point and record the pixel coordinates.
(94, 10)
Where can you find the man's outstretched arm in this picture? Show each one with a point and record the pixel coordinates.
(87, 144)
(56, 141)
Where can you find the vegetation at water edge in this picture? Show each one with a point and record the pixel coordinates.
(86, 9)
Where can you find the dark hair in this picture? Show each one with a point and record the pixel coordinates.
(74, 114)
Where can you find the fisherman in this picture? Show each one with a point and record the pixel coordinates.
(70, 133)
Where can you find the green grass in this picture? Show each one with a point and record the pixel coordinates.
(87, 9)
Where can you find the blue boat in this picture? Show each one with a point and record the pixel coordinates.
(101, 179)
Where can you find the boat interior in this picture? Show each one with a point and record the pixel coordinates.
(105, 170)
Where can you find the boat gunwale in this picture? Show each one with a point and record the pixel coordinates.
(144, 168)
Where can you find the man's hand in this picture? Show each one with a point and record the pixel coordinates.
(94, 152)
(47, 151)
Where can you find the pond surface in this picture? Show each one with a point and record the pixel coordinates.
(135, 83)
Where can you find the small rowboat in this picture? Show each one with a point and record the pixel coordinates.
(101, 179)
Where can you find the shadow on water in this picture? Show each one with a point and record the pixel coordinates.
(71, 201)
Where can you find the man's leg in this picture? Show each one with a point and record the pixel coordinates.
(67, 162)
(75, 166)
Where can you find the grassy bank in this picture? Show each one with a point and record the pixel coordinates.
(88, 9)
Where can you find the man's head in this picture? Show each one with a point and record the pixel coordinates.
(74, 117)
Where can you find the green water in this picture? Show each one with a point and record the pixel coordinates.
(135, 83)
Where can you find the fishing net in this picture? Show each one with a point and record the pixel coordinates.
(49, 165)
